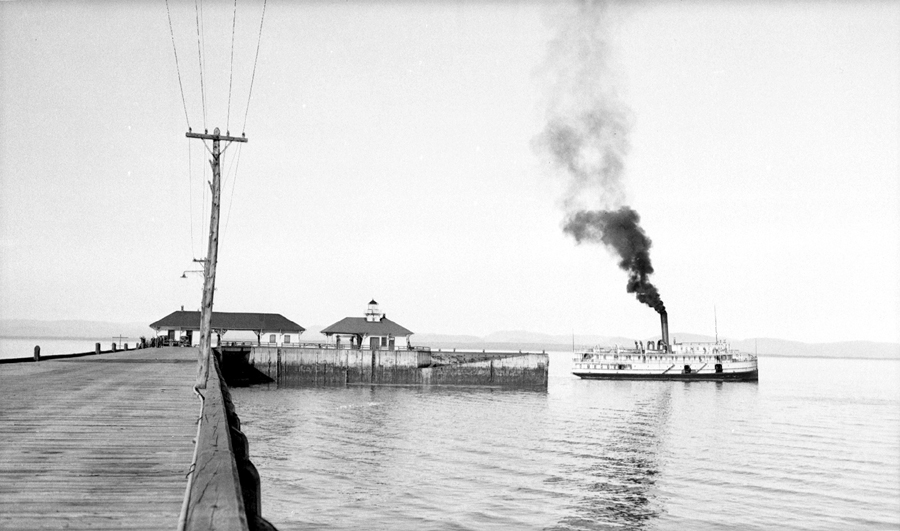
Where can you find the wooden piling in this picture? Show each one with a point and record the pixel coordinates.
(37, 353)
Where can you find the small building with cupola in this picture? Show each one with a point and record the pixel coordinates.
(373, 331)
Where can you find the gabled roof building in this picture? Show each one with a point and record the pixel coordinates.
(186, 324)
(374, 331)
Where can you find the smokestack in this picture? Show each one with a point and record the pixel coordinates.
(664, 322)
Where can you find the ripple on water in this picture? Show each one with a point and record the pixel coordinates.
(782, 454)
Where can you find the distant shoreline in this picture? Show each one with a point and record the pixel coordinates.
(530, 341)
(20, 346)
(812, 351)
(77, 338)
(826, 357)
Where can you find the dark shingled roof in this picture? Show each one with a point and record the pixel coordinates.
(265, 322)
(359, 325)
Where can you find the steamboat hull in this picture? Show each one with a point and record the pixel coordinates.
(747, 376)
(661, 360)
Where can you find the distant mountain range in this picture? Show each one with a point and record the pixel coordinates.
(524, 340)
(504, 340)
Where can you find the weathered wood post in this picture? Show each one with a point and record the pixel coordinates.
(97, 348)
(37, 353)
(278, 368)
(113, 347)
(209, 263)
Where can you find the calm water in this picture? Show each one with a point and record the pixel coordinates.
(17, 347)
(814, 445)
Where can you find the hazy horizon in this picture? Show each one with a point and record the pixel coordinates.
(495, 336)
(398, 152)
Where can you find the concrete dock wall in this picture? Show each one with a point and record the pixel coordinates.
(313, 366)
(526, 369)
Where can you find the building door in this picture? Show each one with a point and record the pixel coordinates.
(373, 343)
(391, 344)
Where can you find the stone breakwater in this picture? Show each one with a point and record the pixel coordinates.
(323, 366)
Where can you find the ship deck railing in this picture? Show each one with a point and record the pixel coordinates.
(663, 357)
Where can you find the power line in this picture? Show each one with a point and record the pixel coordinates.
(231, 72)
(253, 77)
(177, 68)
(228, 173)
(191, 196)
(204, 186)
(203, 42)
(200, 59)
(233, 185)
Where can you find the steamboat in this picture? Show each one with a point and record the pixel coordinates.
(660, 360)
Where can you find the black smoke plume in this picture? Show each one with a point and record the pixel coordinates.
(620, 231)
(586, 138)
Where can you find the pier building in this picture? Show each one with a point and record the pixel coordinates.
(270, 329)
(373, 331)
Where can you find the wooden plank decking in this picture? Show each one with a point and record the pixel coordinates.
(101, 442)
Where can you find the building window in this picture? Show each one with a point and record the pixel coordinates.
(287, 338)
(273, 338)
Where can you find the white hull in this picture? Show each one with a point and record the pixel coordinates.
(693, 361)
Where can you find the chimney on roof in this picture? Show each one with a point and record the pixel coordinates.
(182, 307)
(372, 313)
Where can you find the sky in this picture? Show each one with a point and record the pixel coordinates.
(395, 153)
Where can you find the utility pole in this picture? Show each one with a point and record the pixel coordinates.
(209, 264)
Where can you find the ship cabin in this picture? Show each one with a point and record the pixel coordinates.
(374, 331)
(655, 352)
(261, 329)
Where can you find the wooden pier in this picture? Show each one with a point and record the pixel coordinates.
(107, 442)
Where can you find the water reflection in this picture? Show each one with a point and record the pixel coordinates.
(584, 455)
(614, 473)
(416, 387)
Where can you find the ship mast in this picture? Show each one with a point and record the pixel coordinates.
(716, 323)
